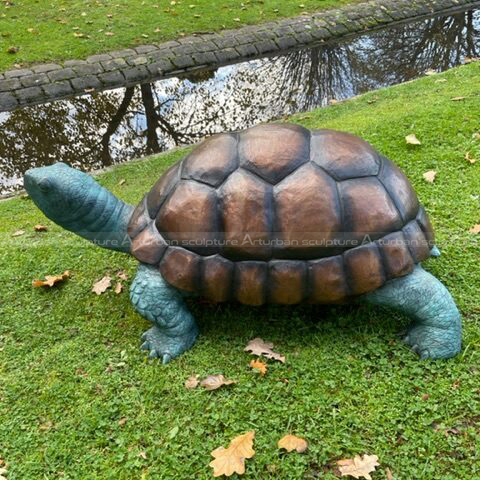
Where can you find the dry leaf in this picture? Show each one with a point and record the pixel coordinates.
(40, 228)
(122, 421)
(232, 459)
(122, 275)
(457, 99)
(18, 233)
(389, 474)
(430, 176)
(122, 182)
(192, 382)
(118, 288)
(260, 348)
(109, 34)
(102, 285)
(291, 442)
(12, 49)
(430, 71)
(358, 467)
(51, 280)
(260, 366)
(412, 139)
(212, 382)
(142, 454)
(470, 159)
(475, 229)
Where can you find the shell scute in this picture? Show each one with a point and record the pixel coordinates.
(343, 155)
(275, 150)
(307, 214)
(212, 161)
(190, 217)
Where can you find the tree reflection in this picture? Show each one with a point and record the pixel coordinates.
(89, 132)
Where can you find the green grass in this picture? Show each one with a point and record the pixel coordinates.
(71, 367)
(44, 30)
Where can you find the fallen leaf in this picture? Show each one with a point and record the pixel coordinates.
(118, 288)
(475, 229)
(430, 71)
(12, 50)
(212, 382)
(389, 474)
(260, 348)
(358, 467)
(122, 421)
(457, 99)
(122, 275)
(260, 366)
(291, 442)
(51, 280)
(412, 139)
(232, 459)
(122, 182)
(192, 382)
(109, 34)
(425, 396)
(102, 285)
(142, 454)
(40, 228)
(18, 233)
(430, 176)
(470, 159)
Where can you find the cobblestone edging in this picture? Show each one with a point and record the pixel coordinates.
(152, 62)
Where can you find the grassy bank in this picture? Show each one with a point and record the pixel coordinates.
(39, 31)
(79, 400)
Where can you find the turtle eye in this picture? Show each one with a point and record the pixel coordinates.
(44, 185)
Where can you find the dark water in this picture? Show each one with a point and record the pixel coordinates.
(90, 132)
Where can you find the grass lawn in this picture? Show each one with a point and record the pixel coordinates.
(63, 29)
(79, 400)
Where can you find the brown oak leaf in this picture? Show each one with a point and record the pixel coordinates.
(292, 442)
(118, 288)
(102, 285)
(40, 228)
(51, 280)
(260, 348)
(192, 382)
(358, 466)
(232, 459)
(260, 366)
(213, 382)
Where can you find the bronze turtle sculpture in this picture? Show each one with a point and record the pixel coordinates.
(272, 214)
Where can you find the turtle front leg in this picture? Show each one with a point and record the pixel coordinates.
(437, 330)
(174, 329)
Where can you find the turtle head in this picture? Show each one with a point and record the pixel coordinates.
(75, 201)
(60, 191)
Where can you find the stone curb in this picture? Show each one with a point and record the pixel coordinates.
(146, 63)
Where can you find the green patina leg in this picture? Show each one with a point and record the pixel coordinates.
(437, 330)
(174, 329)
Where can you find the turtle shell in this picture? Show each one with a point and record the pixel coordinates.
(281, 214)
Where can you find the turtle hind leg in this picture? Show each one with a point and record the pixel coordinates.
(174, 329)
(437, 329)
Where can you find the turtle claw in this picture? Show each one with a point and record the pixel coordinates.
(166, 358)
(167, 347)
(429, 341)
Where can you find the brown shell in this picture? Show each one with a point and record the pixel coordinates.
(281, 214)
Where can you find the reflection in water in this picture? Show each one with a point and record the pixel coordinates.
(94, 131)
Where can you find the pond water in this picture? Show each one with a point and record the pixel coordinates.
(93, 131)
